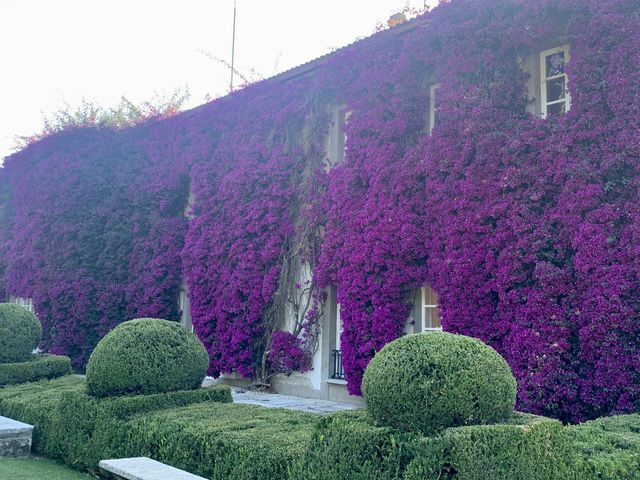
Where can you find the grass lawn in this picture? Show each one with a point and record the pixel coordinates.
(36, 469)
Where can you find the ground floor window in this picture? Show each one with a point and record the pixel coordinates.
(430, 310)
(337, 371)
(185, 308)
(26, 303)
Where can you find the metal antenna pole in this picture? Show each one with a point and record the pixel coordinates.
(233, 45)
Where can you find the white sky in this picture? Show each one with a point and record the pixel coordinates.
(56, 51)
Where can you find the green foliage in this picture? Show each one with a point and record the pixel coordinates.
(38, 367)
(126, 114)
(146, 356)
(218, 441)
(349, 445)
(609, 447)
(525, 448)
(427, 382)
(20, 333)
(79, 429)
(37, 469)
(36, 403)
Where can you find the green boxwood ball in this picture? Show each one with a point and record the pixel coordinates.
(430, 381)
(146, 356)
(20, 333)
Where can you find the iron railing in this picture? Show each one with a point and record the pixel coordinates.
(338, 372)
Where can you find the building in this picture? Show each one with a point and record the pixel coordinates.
(473, 169)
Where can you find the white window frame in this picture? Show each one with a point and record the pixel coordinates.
(432, 105)
(184, 305)
(338, 327)
(24, 302)
(337, 140)
(543, 80)
(423, 306)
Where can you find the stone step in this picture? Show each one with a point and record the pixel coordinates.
(144, 468)
(15, 438)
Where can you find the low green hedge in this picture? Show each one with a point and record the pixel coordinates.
(38, 367)
(36, 404)
(72, 426)
(217, 441)
(526, 448)
(349, 446)
(608, 448)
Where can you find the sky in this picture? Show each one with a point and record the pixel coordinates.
(60, 52)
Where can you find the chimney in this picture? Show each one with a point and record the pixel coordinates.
(396, 19)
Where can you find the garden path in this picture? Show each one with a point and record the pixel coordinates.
(277, 400)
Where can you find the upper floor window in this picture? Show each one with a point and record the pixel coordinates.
(191, 202)
(26, 303)
(430, 310)
(433, 106)
(337, 141)
(554, 94)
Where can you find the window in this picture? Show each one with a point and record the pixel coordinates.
(185, 307)
(337, 136)
(433, 109)
(189, 208)
(554, 94)
(333, 331)
(430, 310)
(26, 303)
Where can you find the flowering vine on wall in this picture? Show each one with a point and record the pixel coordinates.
(527, 228)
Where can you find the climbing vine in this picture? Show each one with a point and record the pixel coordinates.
(528, 228)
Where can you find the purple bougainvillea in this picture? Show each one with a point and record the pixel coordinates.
(528, 228)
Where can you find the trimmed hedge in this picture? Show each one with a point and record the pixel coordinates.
(38, 367)
(146, 356)
(74, 427)
(218, 441)
(430, 381)
(526, 448)
(349, 446)
(20, 333)
(608, 448)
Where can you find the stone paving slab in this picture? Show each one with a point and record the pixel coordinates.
(15, 438)
(277, 400)
(144, 468)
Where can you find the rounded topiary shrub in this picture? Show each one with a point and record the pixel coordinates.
(20, 333)
(430, 381)
(145, 356)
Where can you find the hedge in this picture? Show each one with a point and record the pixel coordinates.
(348, 445)
(526, 448)
(609, 447)
(171, 359)
(74, 427)
(20, 333)
(39, 367)
(218, 441)
(430, 381)
(36, 403)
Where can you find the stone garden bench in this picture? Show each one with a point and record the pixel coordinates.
(143, 468)
(15, 438)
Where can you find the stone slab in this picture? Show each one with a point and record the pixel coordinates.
(9, 426)
(276, 400)
(15, 438)
(144, 468)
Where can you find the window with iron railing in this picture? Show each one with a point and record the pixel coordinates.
(337, 372)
